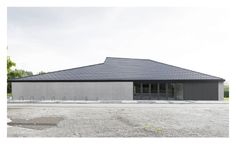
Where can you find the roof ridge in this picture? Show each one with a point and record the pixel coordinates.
(125, 58)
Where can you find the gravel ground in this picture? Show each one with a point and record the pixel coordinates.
(118, 120)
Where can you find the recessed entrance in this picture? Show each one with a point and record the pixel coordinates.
(157, 91)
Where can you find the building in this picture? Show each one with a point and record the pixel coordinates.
(120, 79)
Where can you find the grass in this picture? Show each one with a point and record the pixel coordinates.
(9, 95)
(226, 99)
(152, 128)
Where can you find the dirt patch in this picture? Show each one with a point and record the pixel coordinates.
(125, 121)
(38, 123)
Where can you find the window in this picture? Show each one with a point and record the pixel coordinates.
(153, 88)
(145, 88)
(137, 88)
(162, 87)
(171, 90)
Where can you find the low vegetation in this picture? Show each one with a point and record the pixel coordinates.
(226, 91)
(12, 73)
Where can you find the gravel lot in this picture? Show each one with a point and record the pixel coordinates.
(118, 120)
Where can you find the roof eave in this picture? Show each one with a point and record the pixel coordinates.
(115, 80)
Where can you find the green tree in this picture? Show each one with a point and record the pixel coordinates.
(10, 64)
(10, 73)
(18, 73)
(14, 73)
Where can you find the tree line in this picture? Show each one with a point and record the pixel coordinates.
(13, 73)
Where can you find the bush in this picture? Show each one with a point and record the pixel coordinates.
(226, 94)
(226, 91)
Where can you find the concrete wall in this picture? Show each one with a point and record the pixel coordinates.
(221, 91)
(106, 91)
(201, 90)
(72, 90)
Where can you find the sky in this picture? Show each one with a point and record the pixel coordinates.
(49, 39)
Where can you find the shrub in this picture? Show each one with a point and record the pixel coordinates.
(226, 91)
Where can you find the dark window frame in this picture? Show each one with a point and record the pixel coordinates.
(162, 87)
(137, 86)
(154, 88)
(145, 88)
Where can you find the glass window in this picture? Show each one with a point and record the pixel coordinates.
(145, 88)
(171, 90)
(162, 87)
(153, 88)
(137, 88)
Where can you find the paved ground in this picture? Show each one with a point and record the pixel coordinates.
(119, 120)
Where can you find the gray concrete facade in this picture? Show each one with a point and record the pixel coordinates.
(198, 90)
(72, 90)
(220, 91)
(193, 90)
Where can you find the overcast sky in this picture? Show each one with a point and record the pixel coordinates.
(49, 39)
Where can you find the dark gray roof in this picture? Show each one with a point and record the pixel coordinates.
(122, 69)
